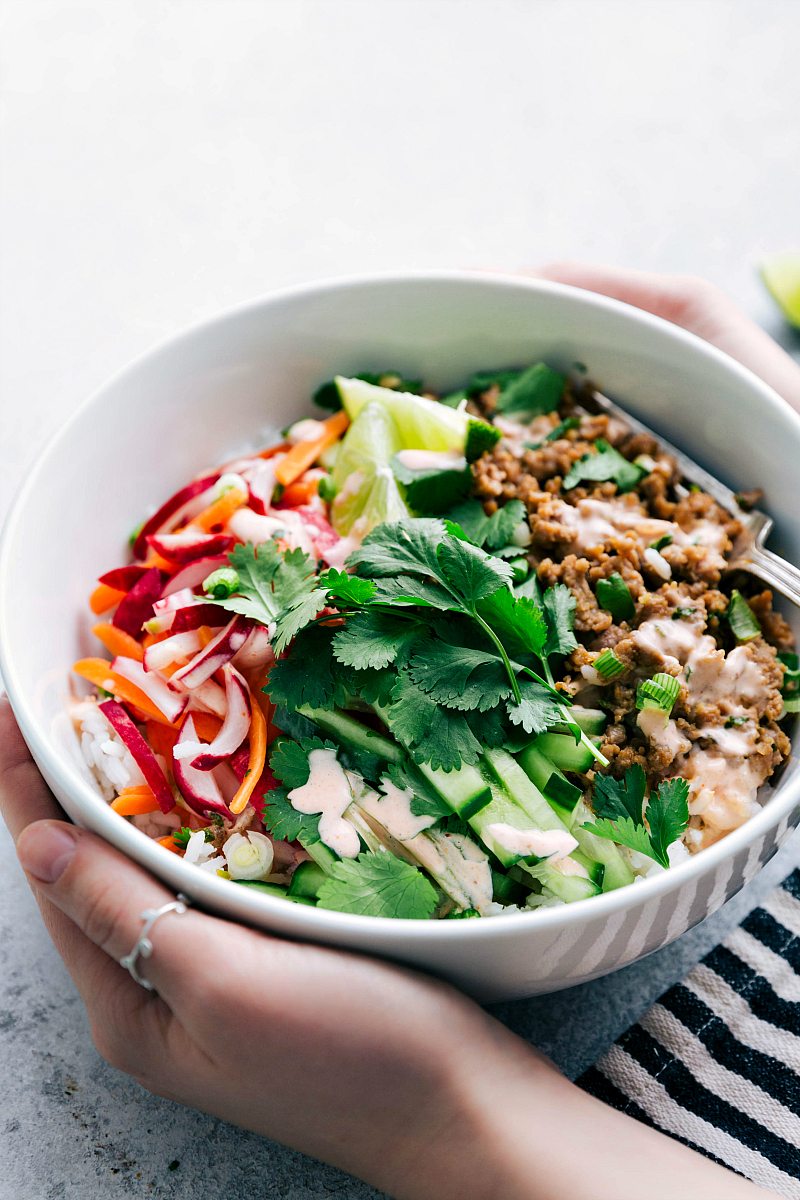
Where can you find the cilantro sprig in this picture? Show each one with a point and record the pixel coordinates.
(606, 464)
(378, 885)
(622, 816)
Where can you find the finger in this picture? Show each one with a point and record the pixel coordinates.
(104, 895)
(24, 795)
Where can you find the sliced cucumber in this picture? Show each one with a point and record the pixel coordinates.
(618, 872)
(306, 880)
(501, 810)
(522, 790)
(565, 752)
(346, 729)
(321, 854)
(506, 890)
(566, 887)
(591, 720)
(594, 869)
(465, 791)
(272, 889)
(548, 779)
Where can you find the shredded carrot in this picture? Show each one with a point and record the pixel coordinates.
(206, 635)
(302, 490)
(135, 801)
(98, 671)
(304, 454)
(207, 725)
(103, 598)
(117, 641)
(150, 639)
(220, 511)
(258, 754)
(161, 738)
(155, 560)
(169, 843)
(271, 451)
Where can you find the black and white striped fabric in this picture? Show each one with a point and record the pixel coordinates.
(716, 1062)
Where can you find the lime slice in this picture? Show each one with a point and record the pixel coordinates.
(781, 274)
(368, 492)
(422, 424)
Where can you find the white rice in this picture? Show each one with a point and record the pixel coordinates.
(108, 758)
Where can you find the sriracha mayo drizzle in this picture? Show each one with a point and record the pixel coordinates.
(328, 793)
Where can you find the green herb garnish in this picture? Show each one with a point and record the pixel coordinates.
(613, 595)
(378, 885)
(606, 465)
(618, 804)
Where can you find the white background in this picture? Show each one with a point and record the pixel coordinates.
(162, 159)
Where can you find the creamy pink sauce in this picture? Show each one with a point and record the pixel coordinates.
(431, 460)
(544, 843)
(328, 793)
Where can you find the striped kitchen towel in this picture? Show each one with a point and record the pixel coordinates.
(716, 1061)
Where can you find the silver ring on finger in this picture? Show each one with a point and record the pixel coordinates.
(143, 947)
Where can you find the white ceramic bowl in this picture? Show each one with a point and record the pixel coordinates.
(208, 393)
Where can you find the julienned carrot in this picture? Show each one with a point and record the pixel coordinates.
(135, 801)
(161, 738)
(117, 641)
(258, 754)
(206, 635)
(169, 843)
(155, 560)
(98, 671)
(220, 511)
(302, 490)
(271, 451)
(303, 454)
(103, 598)
(207, 725)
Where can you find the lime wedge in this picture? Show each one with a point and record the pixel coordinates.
(781, 274)
(422, 424)
(368, 492)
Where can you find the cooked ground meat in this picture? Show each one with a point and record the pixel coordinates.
(669, 543)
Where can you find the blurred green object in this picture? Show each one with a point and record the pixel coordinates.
(781, 275)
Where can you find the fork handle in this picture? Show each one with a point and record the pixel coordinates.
(773, 569)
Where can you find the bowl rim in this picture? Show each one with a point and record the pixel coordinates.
(316, 924)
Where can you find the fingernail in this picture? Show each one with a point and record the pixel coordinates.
(45, 850)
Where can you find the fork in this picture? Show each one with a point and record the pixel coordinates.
(749, 552)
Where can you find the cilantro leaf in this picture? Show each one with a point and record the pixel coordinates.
(372, 686)
(285, 823)
(406, 589)
(517, 620)
(378, 885)
(616, 798)
(400, 547)
(432, 734)
(537, 390)
(275, 587)
(345, 590)
(469, 572)
(623, 830)
(667, 815)
(289, 760)
(494, 531)
(307, 674)
(459, 677)
(559, 610)
(374, 639)
(536, 710)
(606, 464)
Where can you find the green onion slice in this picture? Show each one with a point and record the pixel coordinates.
(222, 583)
(666, 539)
(659, 692)
(609, 665)
(742, 619)
(790, 705)
(613, 595)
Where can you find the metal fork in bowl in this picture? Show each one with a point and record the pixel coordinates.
(749, 552)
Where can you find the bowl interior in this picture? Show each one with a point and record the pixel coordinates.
(231, 384)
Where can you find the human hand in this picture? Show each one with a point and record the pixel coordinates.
(696, 305)
(383, 1072)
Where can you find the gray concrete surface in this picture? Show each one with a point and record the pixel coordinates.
(161, 161)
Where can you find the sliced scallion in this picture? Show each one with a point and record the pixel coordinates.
(741, 618)
(609, 665)
(659, 692)
(613, 595)
(666, 539)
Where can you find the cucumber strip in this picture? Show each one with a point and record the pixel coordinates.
(322, 855)
(272, 889)
(548, 779)
(565, 752)
(594, 869)
(306, 881)
(591, 720)
(508, 772)
(501, 810)
(566, 887)
(352, 733)
(618, 872)
(465, 791)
